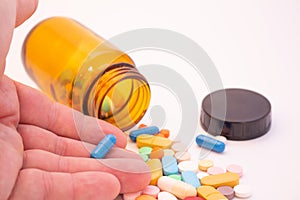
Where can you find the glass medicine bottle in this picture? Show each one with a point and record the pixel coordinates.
(80, 69)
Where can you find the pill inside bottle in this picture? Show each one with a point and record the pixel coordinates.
(78, 68)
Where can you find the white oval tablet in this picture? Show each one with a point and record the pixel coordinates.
(188, 165)
(166, 196)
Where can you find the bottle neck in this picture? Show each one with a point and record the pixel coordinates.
(119, 95)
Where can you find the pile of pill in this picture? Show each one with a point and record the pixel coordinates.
(176, 176)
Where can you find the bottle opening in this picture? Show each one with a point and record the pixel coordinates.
(121, 96)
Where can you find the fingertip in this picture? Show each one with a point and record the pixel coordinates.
(134, 175)
(25, 8)
(141, 178)
(121, 139)
(89, 185)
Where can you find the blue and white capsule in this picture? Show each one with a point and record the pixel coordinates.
(210, 143)
(150, 130)
(104, 146)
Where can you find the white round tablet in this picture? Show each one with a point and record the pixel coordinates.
(242, 191)
(235, 169)
(215, 170)
(201, 175)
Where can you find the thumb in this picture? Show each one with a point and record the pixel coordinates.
(12, 14)
(25, 8)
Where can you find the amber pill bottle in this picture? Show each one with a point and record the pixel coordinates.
(78, 68)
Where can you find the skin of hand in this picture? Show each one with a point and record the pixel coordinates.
(45, 146)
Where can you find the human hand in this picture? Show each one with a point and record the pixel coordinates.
(45, 146)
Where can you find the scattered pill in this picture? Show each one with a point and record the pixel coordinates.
(157, 152)
(179, 147)
(182, 156)
(210, 193)
(183, 180)
(156, 170)
(193, 198)
(210, 143)
(168, 152)
(215, 170)
(165, 132)
(107, 106)
(177, 188)
(150, 130)
(188, 166)
(201, 174)
(160, 135)
(226, 191)
(169, 164)
(145, 197)
(104, 146)
(142, 126)
(145, 150)
(144, 157)
(205, 164)
(151, 190)
(242, 191)
(166, 196)
(153, 141)
(131, 196)
(191, 178)
(235, 169)
(176, 177)
(225, 179)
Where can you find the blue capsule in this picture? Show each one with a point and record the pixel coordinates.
(191, 178)
(104, 146)
(150, 130)
(210, 143)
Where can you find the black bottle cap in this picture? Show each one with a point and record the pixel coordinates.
(237, 114)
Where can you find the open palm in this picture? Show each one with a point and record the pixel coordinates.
(45, 146)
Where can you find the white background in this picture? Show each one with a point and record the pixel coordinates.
(254, 44)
